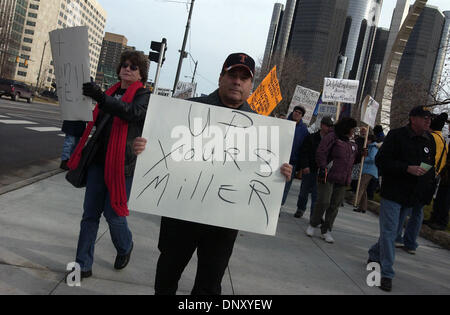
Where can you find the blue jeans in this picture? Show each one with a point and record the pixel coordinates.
(288, 185)
(384, 250)
(70, 143)
(412, 230)
(309, 186)
(96, 202)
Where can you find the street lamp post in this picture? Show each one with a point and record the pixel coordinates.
(183, 53)
(40, 67)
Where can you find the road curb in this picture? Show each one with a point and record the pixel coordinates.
(29, 181)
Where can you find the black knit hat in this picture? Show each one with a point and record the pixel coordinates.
(438, 122)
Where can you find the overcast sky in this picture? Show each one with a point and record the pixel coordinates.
(218, 28)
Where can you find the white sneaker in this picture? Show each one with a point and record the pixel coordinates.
(310, 231)
(327, 237)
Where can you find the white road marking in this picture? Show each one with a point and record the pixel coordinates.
(17, 122)
(43, 129)
(1, 116)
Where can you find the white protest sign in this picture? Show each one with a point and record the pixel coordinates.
(339, 90)
(306, 98)
(70, 50)
(369, 111)
(326, 110)
(185, 90)
(212, 165)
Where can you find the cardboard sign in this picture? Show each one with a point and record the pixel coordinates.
(212, 165)
(306, 98)
(185, 90)
(70, 50)
(267, 96)
(339, 90)
(369, 111)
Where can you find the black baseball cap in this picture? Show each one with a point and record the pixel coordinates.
(421, 111)
(327, 121)
(239, 60)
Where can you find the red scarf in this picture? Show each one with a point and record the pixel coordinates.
(115, 155)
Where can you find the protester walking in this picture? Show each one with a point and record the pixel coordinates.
(369, 172)
(119, 118)
(179, 239)
(337, 148)
(307, 163)
(301, 131)
(74, 130)
(414, 224)
(403, 161)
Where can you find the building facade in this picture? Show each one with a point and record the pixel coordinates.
(376, 61)
(315, 37)
(35, 61)
(443, 55)
(112, 47)
(275, 24)
(415, 73)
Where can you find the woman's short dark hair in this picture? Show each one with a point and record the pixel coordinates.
(136, 58)
(344, 126)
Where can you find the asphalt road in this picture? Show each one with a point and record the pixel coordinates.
(26, 152)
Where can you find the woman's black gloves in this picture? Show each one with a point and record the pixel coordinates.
(93, 91)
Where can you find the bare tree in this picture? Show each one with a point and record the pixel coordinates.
(295, 73)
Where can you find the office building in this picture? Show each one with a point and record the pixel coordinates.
(112, 47)
(417, 65)
(33, 20)
(376, 61)
(275, 24)
(316, 36)
(443, 54)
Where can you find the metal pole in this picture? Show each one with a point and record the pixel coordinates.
(40, 67)
(195, 71)
(193, 77)
(158, 69)
(183, 53)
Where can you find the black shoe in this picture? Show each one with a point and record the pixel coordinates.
(299, 214)
(357, 210)
(86, 274)
(386, 284)
(372, 261)
(123, 260)
(83, 275)
(63, 165)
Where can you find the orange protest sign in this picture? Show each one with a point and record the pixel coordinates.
(267, 96)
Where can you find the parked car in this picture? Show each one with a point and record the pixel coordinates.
(49, 94)
(15, 90)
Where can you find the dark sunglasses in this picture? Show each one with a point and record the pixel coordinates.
(132, 67)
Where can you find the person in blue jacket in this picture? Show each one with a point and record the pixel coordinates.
(301, 131)
(369, 172)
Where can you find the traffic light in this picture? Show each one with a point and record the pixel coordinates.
(157, 48)
(25, 62)
(17, 59)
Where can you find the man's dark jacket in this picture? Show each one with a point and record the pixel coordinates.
(214, 99)
(308, 152)
(403, 148)
(134, 113)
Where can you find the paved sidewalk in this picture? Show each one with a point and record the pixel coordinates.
(39, 227)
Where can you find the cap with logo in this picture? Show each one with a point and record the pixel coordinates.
(239, 60)
(421, 111)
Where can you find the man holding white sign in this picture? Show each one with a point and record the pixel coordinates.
(214, 244)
